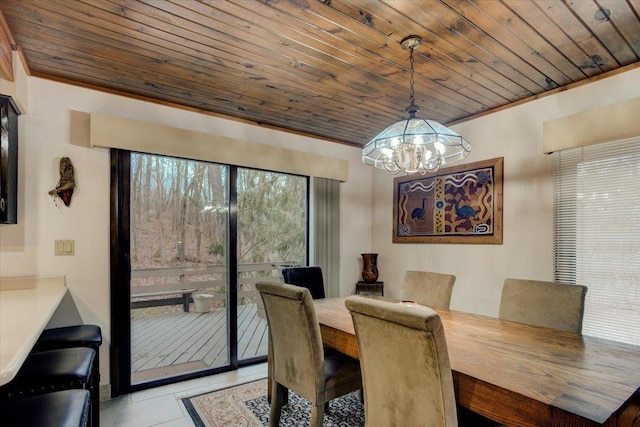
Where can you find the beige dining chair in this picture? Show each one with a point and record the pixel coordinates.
(539, 303)
(428, 288)
(405, 367)
(298, 359)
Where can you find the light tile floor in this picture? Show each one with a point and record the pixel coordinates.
(162, 406)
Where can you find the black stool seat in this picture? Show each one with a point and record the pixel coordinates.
(69, 336)
(68, 408)
(51, 370)
(77, 336)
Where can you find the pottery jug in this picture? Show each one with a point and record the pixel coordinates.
(370, 267)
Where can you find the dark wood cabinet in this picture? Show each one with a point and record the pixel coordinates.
(8, 160)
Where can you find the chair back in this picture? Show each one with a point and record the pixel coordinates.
(548, 304)
(428, 288)
(296, 343)
(405, 364)
(307, 277)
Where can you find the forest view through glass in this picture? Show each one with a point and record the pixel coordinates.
(180, 284)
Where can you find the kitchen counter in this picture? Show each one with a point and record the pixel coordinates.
(26, 306)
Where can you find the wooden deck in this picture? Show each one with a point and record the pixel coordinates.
(171, 344)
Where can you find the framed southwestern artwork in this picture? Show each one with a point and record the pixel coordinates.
(458, 204)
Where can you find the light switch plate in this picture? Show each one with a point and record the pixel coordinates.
(65, 247)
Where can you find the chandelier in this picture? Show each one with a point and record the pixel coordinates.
(414, 145)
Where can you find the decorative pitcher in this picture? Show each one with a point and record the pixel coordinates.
(369, 267)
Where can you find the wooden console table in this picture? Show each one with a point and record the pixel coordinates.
(370, 288)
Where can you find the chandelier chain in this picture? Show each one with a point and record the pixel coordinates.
(412, 91)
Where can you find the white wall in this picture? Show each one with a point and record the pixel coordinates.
(27, 249)
(527, 249)
(366, 219)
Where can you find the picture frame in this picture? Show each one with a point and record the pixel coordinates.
(457, 204)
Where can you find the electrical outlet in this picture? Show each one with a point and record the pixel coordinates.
(65, 247)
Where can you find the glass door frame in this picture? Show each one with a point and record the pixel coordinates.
(120, 266)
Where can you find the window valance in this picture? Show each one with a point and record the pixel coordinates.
(605, 124)
(116, 132)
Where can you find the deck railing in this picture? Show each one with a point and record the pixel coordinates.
(210, 279)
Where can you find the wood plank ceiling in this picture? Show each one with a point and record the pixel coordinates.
(328, 68)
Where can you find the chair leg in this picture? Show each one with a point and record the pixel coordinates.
(317, 415)
(277, 396)
(95, 389)
(269, 371)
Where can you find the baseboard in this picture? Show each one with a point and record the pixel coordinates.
(105, 392)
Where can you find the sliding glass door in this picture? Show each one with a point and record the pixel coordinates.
(179, 270)
(271, 232)
(191, 239)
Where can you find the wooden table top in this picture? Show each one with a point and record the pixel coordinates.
(523, 375)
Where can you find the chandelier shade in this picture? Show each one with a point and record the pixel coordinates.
(414, 145)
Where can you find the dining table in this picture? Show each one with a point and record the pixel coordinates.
(521, 375)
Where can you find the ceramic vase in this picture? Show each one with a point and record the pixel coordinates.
(369, 267)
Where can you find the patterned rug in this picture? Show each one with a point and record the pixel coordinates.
(246, 406)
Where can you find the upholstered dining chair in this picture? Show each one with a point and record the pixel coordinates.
(405, 364)
(428, 288)
(299, 362)
(307, 277)
(548, 304)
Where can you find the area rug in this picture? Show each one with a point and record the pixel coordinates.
(246, 406)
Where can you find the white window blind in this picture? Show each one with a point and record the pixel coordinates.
(597, 233)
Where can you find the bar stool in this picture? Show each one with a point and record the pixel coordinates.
(51, 371)
(67, 408)
(77, 336)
